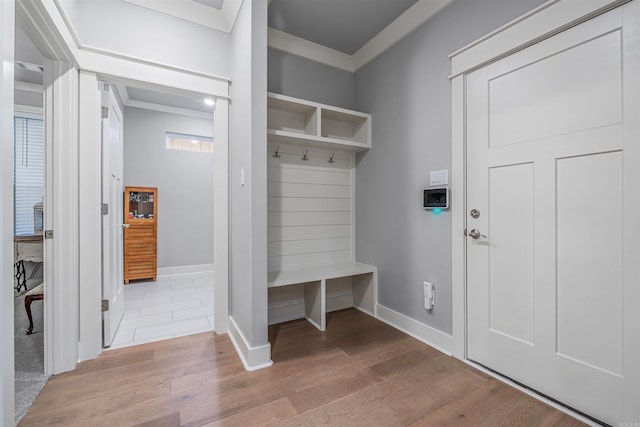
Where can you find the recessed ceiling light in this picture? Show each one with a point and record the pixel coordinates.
(210, 102)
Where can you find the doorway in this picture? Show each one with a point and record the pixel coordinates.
(549, 273)
(28, 194)
(168, 144)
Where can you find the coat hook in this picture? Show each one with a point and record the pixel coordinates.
(277, 153)
(306, 156)
(331, 159)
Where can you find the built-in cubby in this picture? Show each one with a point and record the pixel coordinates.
(311, 211)
(296, 121)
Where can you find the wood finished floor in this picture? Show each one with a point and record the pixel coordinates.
(360, 372)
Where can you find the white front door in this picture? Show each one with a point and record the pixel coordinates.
(112, 194)
(553, 174)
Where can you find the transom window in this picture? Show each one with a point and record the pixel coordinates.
(186, 142)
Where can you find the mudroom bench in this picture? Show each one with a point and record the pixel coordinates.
(316, 280)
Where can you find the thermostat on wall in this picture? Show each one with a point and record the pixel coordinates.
(436, 197)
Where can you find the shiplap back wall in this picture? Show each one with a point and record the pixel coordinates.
(310, 220)
(310, 207)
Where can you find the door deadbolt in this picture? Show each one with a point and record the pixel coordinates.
(475, 213)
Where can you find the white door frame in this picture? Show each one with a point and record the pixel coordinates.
(7, 21)
(46, 23)
(542, 22)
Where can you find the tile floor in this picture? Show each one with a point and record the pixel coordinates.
(170, 307)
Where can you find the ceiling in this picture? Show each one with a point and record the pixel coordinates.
(343, 25)
(342, 33)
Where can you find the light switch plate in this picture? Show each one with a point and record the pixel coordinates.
(440, 177)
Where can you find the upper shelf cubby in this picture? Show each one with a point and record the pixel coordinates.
(297, 121)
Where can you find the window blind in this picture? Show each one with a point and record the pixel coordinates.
(28, 171)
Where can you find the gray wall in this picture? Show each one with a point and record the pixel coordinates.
(302, 78)
(31, 99)
(248, 152)
(184, 180)
(409, 95)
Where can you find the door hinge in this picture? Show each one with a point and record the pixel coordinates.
(105, 112)
(104, 209)
(48, 234)
(105, 305)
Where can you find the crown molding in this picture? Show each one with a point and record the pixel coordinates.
(298, 46)
(402, 26)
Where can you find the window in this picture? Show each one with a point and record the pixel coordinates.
(28, 172)
(185, 142)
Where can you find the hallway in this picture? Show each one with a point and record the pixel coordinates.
(171, 307)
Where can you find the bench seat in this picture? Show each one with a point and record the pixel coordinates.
(315, 280)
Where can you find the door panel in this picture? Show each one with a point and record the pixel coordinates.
(511, 259)
(584, 82)
(552, 155)
(112, 194)
(584, 287)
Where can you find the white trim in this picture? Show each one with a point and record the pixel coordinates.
(401, 27)
(418, 330)
(221, 216)
(7, 39)
(458, 219)
(90, 226)
(28, 87)
(253, 358)
(123, 69)
(61, 215)
(218, 19)
(297, 46)
(168, 109)
(533, 394)
(544, 21)
(185, 269)
(28, 110)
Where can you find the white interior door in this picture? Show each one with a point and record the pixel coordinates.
(552, 171)
(112, 222)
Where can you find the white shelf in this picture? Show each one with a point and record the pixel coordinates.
(303, 275)
(296, 121)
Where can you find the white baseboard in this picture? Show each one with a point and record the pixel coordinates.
(253, 358)
(428, 335)
(185, 269)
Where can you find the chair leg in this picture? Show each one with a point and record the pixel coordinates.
(27, 306)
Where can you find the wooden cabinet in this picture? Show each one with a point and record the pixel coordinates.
(140, 233)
